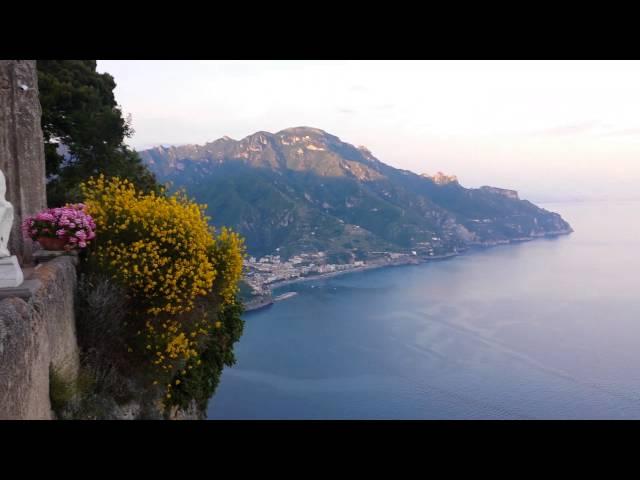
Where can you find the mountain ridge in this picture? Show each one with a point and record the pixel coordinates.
(303, 189)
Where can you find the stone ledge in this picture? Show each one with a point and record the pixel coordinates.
(26, 290)
(35, 335)
(47, 269)
(42, 256)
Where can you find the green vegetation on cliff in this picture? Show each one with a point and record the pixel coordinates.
(305, 190)
(158, 310)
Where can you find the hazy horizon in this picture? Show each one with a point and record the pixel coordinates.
(553, 130)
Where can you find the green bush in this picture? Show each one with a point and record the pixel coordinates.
(198, 382)
(61, 392)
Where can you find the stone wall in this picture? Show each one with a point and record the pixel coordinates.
(35, 335)
(21, 147)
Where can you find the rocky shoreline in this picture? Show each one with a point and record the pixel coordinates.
(493, 243)
(258, 303)
(266, 300)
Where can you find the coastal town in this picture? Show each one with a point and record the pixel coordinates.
(270, 269)
(264, 274)
(261, 274)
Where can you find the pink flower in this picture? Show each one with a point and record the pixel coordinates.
(68, 220)
(45, 217)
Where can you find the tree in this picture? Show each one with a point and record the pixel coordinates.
(84, 130)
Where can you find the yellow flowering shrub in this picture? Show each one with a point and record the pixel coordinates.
(179, 276)
(227, 255)
(157, 246)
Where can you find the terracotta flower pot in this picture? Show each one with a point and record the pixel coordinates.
(56, 244)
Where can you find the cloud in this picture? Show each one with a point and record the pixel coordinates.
(625, 132)
(592, 127)
(346, 110)
(358, 88)
(570, 129)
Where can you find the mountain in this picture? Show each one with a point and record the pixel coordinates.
(304, 190)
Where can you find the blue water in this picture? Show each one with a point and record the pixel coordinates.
(548, 329)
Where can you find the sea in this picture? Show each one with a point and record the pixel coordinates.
(546, 329)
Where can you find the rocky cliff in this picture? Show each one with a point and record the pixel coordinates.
(501, 191)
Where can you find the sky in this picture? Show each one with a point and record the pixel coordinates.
(553, 130)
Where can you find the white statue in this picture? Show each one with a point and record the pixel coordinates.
(10, 271)
(6, 218)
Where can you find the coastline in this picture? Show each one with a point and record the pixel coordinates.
(371, 266)
(257, 304)
(264, 301)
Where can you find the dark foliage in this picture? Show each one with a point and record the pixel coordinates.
(84, 129)
(200, 382)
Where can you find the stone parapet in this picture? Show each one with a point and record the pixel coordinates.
(38, 332)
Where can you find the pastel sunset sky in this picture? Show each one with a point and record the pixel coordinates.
(553, 130)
